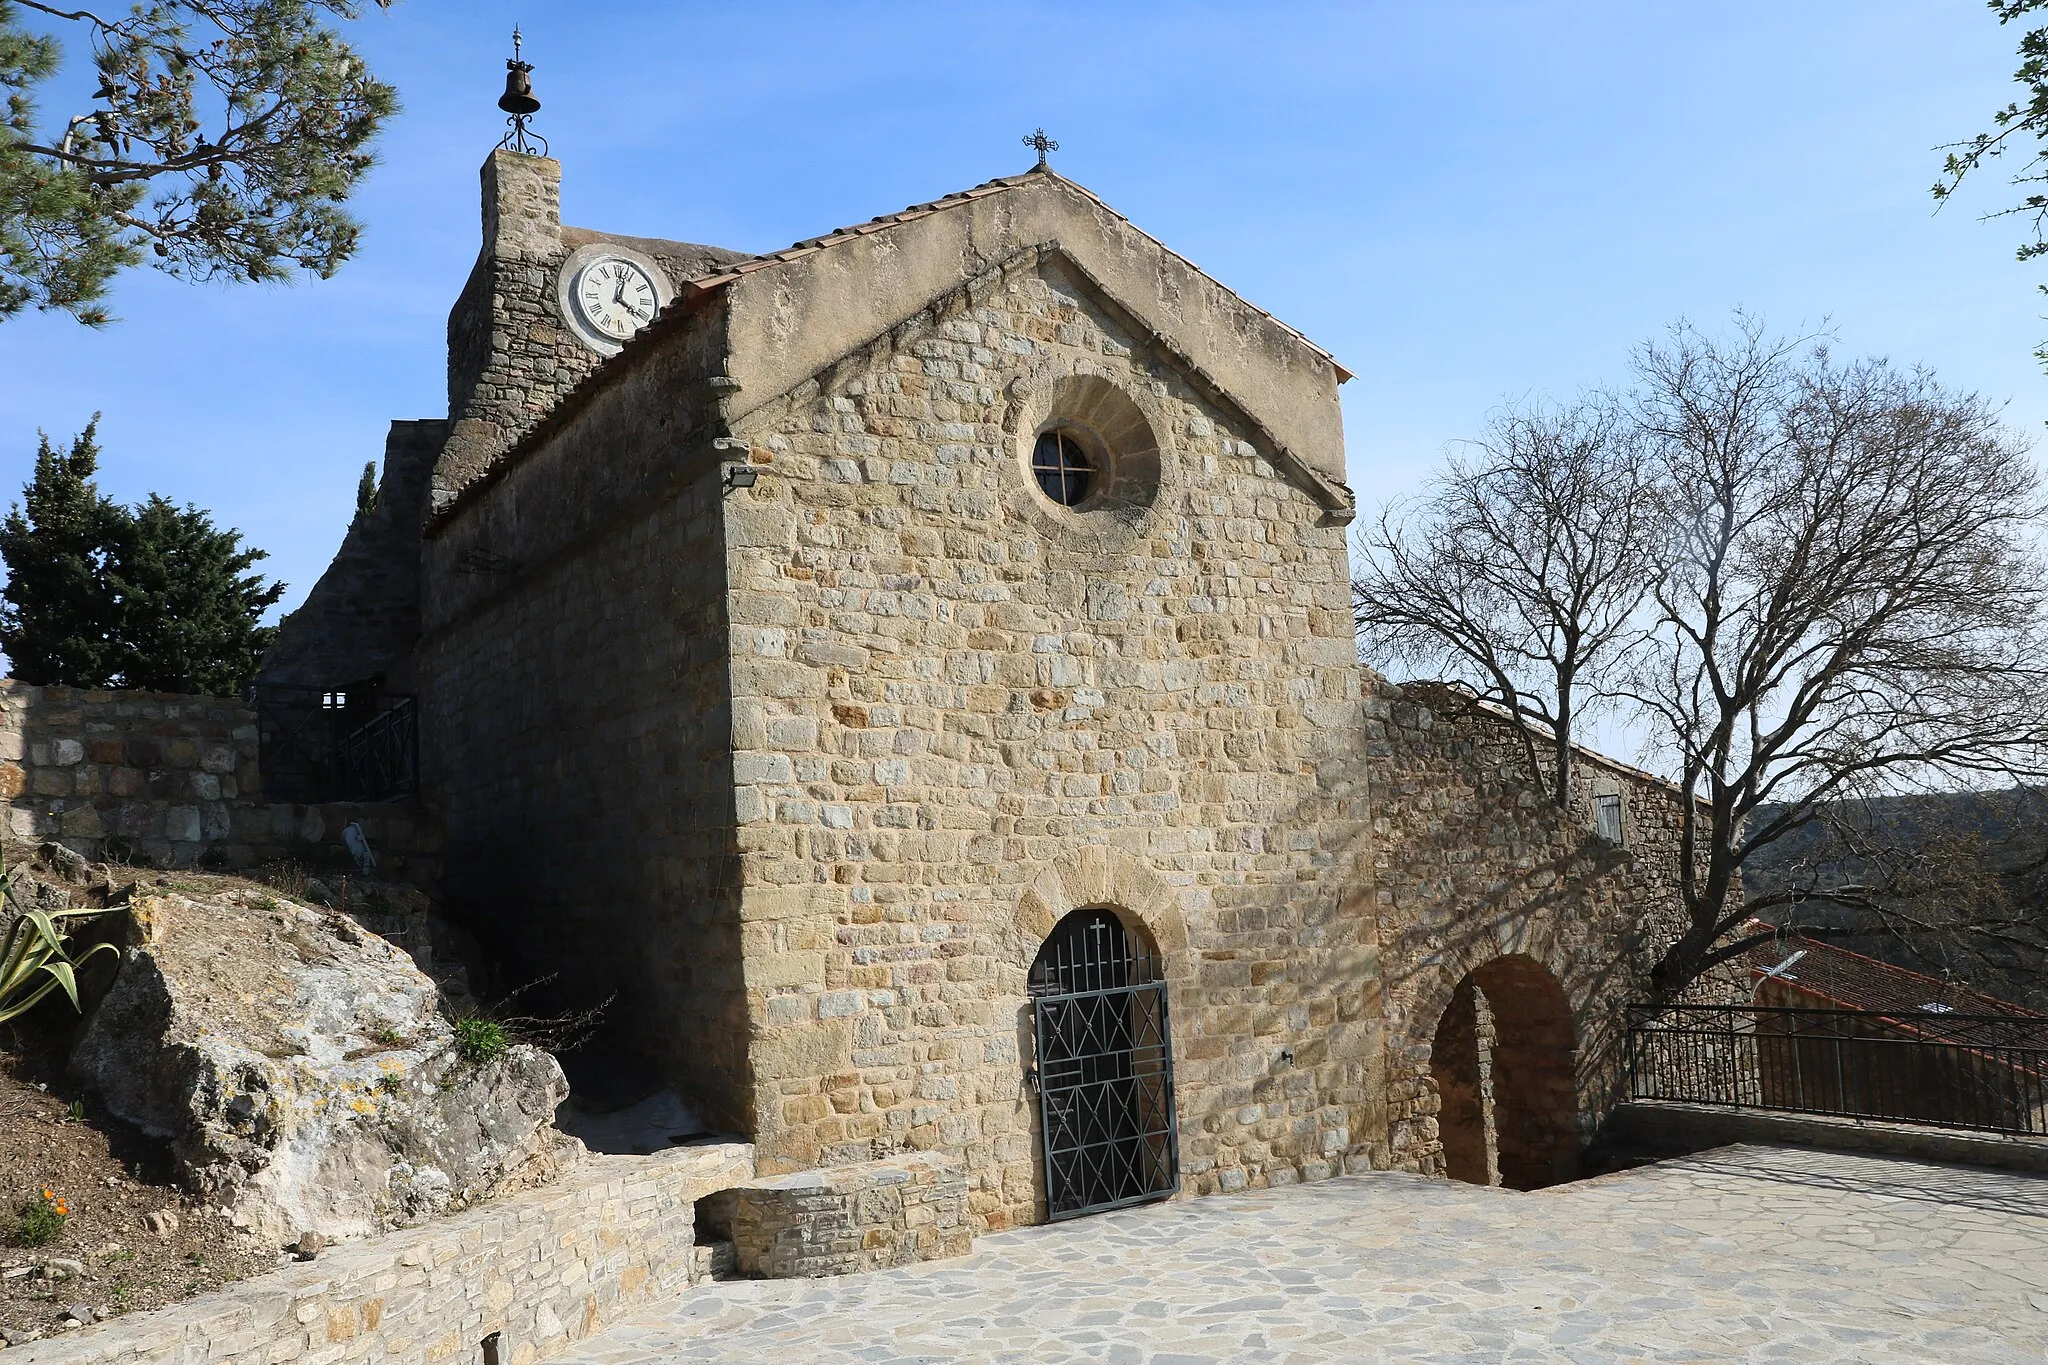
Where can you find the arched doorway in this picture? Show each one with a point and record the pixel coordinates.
(1503, 1062)
(1105, 1067)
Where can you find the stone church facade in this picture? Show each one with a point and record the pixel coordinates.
(770, 681)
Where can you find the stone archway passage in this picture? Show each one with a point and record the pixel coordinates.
(1105, 1068)
(1503, 1062)
(1461, 1060)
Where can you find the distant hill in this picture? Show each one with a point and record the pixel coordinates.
(1999, 836)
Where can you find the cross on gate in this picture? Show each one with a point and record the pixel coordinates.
(1043, 144)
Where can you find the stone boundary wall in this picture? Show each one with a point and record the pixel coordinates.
(1664, 1128)
(540, 1270)
(848, 1219)
(171, 781)
(1472, 862)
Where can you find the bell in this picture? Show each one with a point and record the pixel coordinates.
(518, 97)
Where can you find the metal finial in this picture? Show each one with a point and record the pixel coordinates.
(1044, 144)
(520, 103)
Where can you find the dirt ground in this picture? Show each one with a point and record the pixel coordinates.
(110, 1177)
(108, 1258)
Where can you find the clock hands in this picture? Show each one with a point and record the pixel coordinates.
(619, 297)
(619, 316)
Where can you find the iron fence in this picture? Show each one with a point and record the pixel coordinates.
(336, 744)
(379, 760)
(1924, 1065)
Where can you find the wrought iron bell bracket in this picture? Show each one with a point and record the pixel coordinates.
(520, 105)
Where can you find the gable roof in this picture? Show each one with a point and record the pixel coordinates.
(1002, 184)
(1293, 410)
(794, 314)
(689, 260)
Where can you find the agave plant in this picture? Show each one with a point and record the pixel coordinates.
(36, 957)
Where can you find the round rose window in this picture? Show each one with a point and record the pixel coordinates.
(1062, 467)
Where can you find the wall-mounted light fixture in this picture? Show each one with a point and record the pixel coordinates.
(740, 476)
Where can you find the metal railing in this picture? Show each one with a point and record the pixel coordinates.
(1980, 1071)
(379, 760)
(345, 744)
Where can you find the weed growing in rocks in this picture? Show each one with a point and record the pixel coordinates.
(479, 1040)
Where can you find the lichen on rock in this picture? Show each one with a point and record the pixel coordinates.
(304, 1073)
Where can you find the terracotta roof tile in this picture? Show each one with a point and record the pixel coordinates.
(1840, 979)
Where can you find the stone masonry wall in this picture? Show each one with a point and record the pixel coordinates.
(850, 1219)
(960, 711)
(1461, 1067)
(509, 361)
(171, 781)
(576, 730)
(1472, 864)
(511, 358)
(362, 618)
(540, 1271)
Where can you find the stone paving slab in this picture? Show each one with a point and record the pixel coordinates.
(1743, 1253)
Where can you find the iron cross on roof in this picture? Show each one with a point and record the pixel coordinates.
(1043, 144)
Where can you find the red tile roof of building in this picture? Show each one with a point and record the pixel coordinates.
(1836, 978)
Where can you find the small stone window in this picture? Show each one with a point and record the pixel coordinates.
(1086, 462)
(1064, 470)
(1607, 817)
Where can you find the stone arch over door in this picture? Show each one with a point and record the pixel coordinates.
(1504, 1061)
(1106, 877)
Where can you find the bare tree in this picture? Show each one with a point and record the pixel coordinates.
(1849, 606)
(1520, 574)
(1816, 584)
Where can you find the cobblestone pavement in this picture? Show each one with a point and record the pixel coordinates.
(1744, 1253)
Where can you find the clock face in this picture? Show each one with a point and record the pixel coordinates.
(615, 297)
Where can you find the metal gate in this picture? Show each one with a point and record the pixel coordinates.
(1105, 1069)
(354, 743)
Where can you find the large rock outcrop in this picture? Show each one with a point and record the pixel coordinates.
(303, 1073)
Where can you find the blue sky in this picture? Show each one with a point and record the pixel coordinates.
(1464, 202)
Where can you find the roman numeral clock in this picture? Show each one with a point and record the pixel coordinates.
(607, 292)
